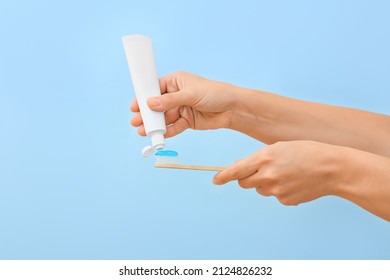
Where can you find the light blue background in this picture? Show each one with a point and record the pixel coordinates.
(73, 184)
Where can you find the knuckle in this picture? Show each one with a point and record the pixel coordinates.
(179, 77)
(270, 175)
(168, 98)
(267, 155)
(234, 174)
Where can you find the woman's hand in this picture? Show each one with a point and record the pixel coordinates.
(190, 101)
(299, 171)
(294, 172)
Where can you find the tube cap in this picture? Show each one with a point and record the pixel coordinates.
(147, 151)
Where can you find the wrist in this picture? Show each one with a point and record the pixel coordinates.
(366, 181)
(253, 114)
(352, 173)
(236, 114)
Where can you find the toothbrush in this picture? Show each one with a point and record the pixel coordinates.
(170, 159)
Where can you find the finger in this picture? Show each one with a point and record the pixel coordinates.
(239, 170)
(263, 177)
(176, 128)
(141, 131)
(171, 116)
(263, 190)
(168, 83)
(252, 181)
(163, 84)
(164, 81)
(172, 100)
(134, 106)
(136, 120)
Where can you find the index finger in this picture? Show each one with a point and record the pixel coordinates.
(169, 83)
(239, 170)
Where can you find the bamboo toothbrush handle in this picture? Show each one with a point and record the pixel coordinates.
(188, 166)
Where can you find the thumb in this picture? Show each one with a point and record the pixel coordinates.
(169, 101)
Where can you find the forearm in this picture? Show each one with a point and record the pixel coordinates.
(270, 118)
(364, 179)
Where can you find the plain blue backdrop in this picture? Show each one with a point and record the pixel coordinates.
(73, 184)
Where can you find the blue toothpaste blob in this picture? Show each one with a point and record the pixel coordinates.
(166, 153)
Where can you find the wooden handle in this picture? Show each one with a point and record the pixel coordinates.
(188, 166)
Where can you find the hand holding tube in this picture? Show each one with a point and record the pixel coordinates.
(190, 101)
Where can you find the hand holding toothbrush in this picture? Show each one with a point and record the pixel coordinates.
(300, 171)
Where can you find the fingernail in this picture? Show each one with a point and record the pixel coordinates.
(154, 101)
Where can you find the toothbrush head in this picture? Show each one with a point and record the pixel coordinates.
(166, 157)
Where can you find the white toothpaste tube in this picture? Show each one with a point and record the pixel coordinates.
(140, 58)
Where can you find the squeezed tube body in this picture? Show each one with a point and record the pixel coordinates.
(140, 58)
